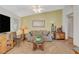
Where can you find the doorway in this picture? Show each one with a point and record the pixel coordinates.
(70, 27)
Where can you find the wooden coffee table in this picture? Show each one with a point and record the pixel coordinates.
(38, 46)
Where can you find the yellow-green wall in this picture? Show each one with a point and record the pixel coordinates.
(54, 17)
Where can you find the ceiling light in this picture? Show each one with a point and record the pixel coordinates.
(40, 10)
(37, 9)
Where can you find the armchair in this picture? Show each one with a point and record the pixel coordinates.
(29, 36)
(48, 36)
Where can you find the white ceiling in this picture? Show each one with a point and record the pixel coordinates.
(25, 10)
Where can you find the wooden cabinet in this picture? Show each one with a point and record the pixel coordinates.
(2, 43)
(59, 35)
(5, 43)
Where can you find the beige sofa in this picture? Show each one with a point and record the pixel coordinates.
(46, 35)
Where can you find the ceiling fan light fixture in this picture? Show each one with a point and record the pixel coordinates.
(37, 9)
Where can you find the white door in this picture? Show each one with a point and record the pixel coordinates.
(70, 26)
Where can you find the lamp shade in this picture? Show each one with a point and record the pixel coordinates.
(24, 29)
(19, 32)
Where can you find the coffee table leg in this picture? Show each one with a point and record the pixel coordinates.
(41, 47)
(34, 46)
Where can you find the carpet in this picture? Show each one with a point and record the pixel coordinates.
(54, 47)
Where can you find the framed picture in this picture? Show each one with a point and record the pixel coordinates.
(38, 23)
